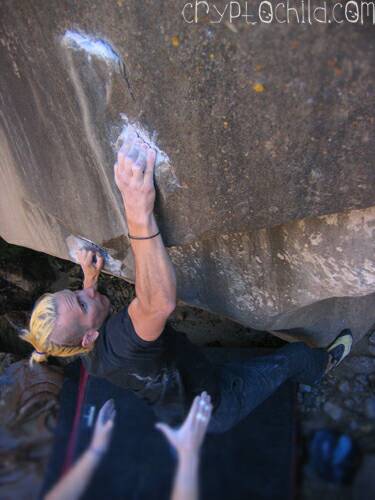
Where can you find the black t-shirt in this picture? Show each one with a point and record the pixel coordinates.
(167, 373)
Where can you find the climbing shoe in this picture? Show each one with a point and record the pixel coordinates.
(339, 349)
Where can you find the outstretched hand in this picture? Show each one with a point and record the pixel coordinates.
(92, 263)
(134, 176)
(103, 427)
(188, 438)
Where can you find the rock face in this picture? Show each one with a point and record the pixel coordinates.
(265, 154)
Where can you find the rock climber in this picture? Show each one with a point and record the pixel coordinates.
(136, 348)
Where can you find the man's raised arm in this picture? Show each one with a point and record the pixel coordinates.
(155, 280)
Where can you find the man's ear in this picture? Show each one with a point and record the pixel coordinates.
(89, 338)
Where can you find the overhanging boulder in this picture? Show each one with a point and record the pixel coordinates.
(265, 155)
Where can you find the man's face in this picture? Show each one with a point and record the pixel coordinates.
(83, 310)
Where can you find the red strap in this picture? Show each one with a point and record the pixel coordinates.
(73, 434)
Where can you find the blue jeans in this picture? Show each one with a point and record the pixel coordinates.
(246, 384)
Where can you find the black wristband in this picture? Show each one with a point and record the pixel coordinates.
(143, 237)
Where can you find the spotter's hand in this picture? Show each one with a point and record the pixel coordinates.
(91, 269)
(103, 428)
(134, 176)
(188, 438)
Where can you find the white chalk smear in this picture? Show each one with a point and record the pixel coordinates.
(134, 129)
(77, 243)
(92, 46)
(165, 174)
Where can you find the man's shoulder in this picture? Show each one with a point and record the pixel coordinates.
(116, 320)
(119, 328)
(119, 340)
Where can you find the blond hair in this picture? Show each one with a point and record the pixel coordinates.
(42, 324)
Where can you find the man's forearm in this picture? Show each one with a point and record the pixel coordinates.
(90, 282)
(155, 279)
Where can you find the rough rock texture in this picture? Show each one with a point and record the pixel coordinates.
(265, 154)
